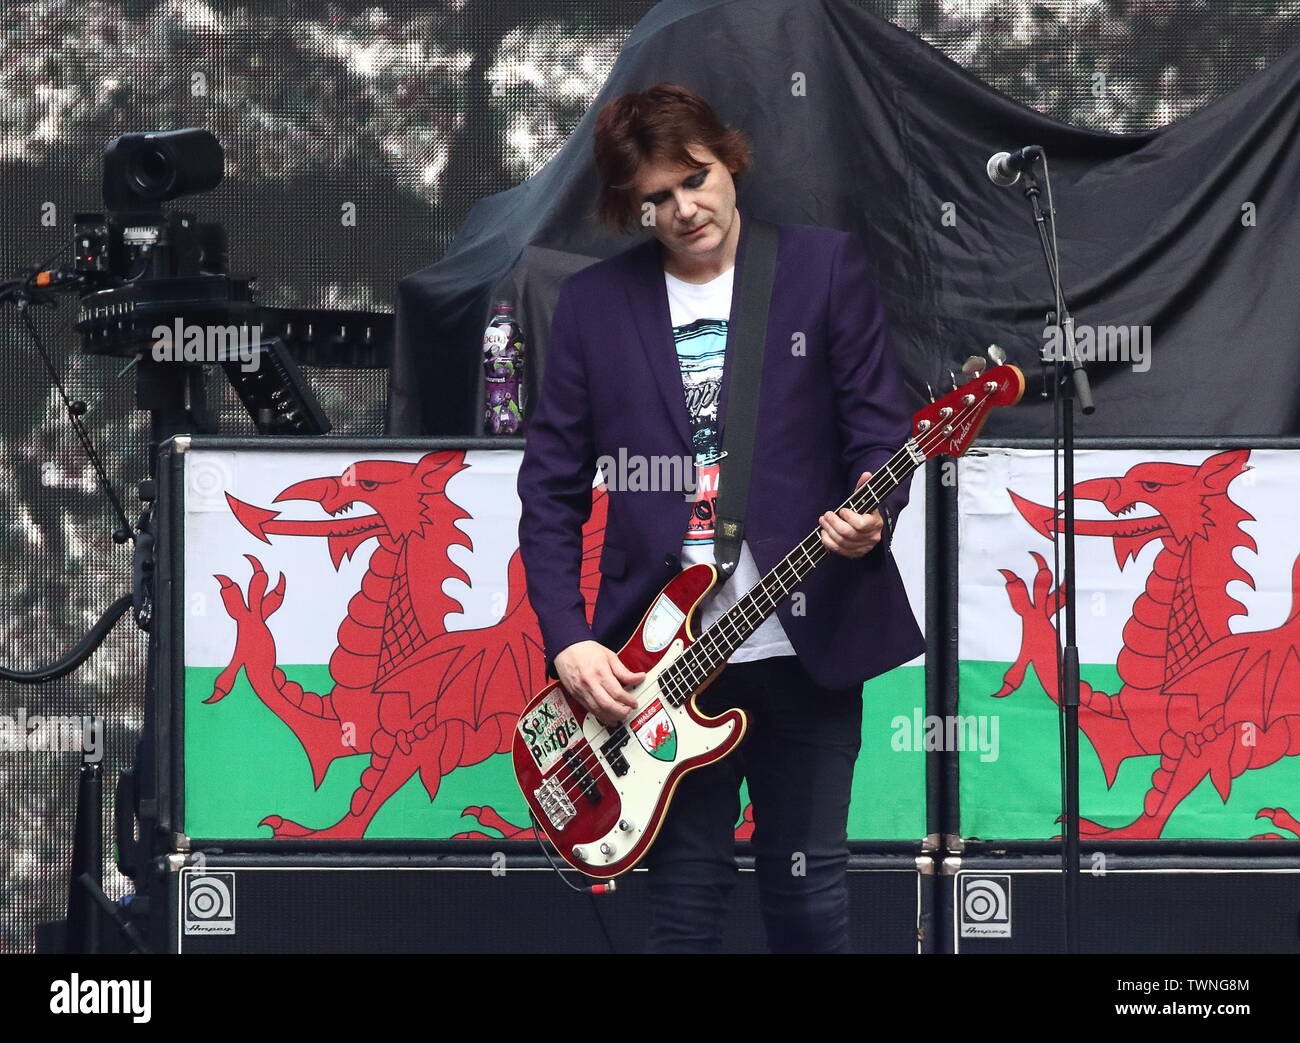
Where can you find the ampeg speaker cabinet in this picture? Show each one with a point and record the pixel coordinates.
(1176, 904)
(491, 903)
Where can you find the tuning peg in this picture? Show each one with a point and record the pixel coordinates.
(998, 356)
(953, 377)
(974, 366)
(929, 390)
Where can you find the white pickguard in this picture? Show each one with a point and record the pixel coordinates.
(642, 786)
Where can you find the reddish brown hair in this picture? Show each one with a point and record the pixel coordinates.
(652, 125)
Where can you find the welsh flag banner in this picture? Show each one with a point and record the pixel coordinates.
(358, 646)
(1187, 588)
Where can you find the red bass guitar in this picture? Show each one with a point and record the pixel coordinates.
(600, 793)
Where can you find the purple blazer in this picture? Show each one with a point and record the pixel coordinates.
(826, 413)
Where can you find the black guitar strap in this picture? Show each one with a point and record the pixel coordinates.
(744, 361)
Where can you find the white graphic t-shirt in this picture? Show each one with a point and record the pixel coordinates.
(699, 313)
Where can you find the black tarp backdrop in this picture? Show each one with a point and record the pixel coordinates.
(859, 125)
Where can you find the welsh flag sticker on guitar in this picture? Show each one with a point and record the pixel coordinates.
(654, 730)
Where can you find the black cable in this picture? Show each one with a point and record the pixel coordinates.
(24, 293)
(79, 654)
(595, 909)
(74, 411)
(590, 892)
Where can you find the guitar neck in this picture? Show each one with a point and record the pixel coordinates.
(733, 628)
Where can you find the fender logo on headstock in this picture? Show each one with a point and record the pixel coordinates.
(949, 425)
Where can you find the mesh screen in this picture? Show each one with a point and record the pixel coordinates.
(403, 114)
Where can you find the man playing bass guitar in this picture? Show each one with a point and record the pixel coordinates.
(636, 367)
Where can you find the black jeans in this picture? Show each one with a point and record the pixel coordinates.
(798, 757)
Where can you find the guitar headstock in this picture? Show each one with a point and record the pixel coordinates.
(947, 426)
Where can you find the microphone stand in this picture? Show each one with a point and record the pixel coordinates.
(1071, 383)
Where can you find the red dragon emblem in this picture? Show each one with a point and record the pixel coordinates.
(1208, 701)
(408, 693)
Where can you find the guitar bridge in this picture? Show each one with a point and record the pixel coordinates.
(555, 803)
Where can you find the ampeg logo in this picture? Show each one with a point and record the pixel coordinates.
(208, 901)
(985, 907)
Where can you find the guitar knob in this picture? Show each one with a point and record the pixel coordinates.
(625, 825)
(607, 849)
(580, 853)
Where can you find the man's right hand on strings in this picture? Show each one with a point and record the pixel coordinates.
(595, 676)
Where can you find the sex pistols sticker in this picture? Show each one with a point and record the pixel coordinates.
(653, 728)
(549, 730)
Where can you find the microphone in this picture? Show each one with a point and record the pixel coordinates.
(1004, 168)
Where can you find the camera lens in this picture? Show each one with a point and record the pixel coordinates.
(153, 172)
